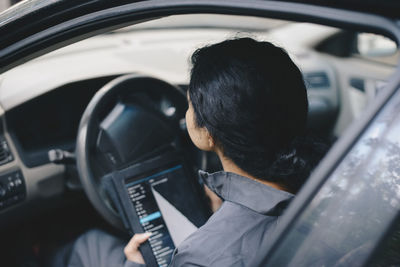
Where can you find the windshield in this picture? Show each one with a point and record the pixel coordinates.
(238, 23)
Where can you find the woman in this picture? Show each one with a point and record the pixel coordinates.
(248, 104)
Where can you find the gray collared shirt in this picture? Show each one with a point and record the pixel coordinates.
(232, 236)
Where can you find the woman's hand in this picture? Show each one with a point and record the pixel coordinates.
(131, 250)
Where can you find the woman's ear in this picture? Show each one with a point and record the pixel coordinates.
(211, 142)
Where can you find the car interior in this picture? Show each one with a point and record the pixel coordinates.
(44, 104)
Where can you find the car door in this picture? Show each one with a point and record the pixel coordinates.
(351, 165)
(354, 216)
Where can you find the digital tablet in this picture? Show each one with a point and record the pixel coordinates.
(163, 196)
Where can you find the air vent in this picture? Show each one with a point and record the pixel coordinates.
(5, 153)
(316, 80)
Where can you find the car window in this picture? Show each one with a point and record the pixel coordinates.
(349, 215)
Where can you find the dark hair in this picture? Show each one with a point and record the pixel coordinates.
(252, 99)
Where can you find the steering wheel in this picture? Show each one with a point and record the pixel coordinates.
(128, 119)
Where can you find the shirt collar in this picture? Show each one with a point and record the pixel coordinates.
(247, 192)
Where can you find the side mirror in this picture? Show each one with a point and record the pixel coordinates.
(374, 46)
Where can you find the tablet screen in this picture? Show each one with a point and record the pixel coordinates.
(164, 207)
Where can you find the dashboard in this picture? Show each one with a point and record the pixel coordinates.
(59, 111)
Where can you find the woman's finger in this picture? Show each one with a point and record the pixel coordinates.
(131, 250)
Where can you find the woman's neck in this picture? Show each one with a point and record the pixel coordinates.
(229, 166)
